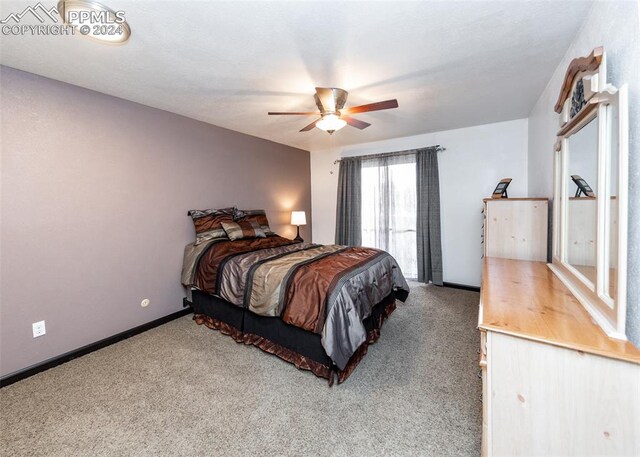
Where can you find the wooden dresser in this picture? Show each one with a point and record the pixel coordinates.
(554, 384)
(516, 228)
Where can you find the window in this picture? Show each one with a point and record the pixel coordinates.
(389, 208)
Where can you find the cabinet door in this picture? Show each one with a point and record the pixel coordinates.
(548, 400)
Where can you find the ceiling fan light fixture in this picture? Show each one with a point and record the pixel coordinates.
(330, 102)
(94, 20)
(330, 123)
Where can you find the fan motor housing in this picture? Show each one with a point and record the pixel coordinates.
(339, 95)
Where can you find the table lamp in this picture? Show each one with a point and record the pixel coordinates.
(298, 218)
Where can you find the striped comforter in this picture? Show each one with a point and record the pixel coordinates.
(328, 290)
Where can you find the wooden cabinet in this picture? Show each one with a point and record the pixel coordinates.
(516, 228)
(486, 434)
(553, 382)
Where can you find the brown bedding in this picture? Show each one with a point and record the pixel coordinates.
(206, 273)
(328, 290)
(310, 285)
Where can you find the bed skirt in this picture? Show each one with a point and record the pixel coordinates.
(292, 344)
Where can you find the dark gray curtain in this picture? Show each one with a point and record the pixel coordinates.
(348, 226)
(428, 218)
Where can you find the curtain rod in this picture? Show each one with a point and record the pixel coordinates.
(391, 154)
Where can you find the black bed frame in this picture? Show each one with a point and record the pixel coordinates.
(301, 341)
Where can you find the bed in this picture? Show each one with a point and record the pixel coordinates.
(316, 306)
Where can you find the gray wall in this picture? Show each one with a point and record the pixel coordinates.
(616, 27)
(95, 193)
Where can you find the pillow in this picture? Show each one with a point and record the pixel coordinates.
(208, 223)
(243, 229)
(254, 215)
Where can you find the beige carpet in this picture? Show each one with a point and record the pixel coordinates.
(182, 389)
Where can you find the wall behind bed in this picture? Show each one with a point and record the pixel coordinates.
(95, 193)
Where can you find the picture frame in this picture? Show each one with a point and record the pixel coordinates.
(501, 189)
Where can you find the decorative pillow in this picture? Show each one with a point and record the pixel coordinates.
(243, 229)
(254, 215)
(208, 223)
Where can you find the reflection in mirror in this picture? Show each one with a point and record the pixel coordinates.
(582, 179)
(558, 204)
(611, 226)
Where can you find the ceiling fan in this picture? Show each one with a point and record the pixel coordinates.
(333, 114)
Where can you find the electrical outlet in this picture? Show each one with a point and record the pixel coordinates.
(38, 329)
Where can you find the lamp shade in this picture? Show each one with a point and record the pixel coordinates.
(298, 218)
(330, 123)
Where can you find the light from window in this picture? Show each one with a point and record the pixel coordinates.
(389, 209)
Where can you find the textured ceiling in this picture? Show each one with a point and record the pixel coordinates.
(450, 64)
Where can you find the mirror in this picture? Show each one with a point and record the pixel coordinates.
(590, 191)
(610, 279)
(582, 208)
(558, 203)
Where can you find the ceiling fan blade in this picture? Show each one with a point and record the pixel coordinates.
(387, 104)
(310, 126)
(275, 113)
(355, 122)
(327, 98)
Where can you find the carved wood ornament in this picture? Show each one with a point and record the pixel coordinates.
(578, 65)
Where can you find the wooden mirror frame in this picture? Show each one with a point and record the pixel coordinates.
(586, 96)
